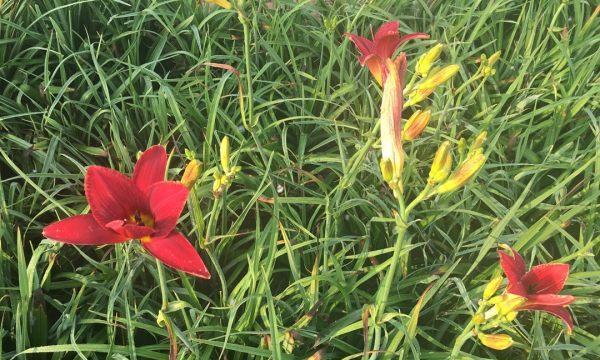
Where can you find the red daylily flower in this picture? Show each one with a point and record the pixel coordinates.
(540, 285)
(386, 41)
(145, 207)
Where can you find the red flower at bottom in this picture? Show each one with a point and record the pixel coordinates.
(145, 207)
(540, 285)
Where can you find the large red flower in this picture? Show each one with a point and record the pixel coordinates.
(386, 41)
(145, 207)
(540, 285)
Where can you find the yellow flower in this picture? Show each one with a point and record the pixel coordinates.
(495, 341)
(416, 124)
(442, 163)
(426, 60)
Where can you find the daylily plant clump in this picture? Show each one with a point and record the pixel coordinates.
(144, 207)
(390, 72)
(536, 289)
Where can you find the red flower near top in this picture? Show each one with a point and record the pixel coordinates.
(145, 207)
(386, 41)
(540, 285)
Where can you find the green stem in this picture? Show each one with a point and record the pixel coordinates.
(461, 339)
(165, 303)
(384, 292)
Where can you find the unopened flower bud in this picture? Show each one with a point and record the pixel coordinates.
(319, 355)
(416, 124)
(492, 287)
(436, 79)
(441, 165)
(417, 96)
(507, 303)
(493, 58)
(511, 316)
(464, 173)
(225, 152)
(222, 3)
(289, 342)
(478, 142)
(426, 60)
(495, 341)
(191, 173)
(387, 170)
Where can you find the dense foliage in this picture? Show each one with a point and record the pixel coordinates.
(297, 244)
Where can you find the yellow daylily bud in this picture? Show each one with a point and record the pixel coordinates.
(288, 342)
(495, 341)
(387, 170)
(464, 173)
(442, 163)
(507, 303)
(440, 77)
(416, 124)
(222, 3)
(426, 60)
(492, 287)
(225, 152)
(319, 355)
(191, 173)
(493, 58)
(265, 342)
(417, 96)
(511, 316)
(478, 143)
(478, 319)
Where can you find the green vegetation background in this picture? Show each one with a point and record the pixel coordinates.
(94, 82)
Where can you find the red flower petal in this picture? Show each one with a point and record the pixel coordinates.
(364, 45)
(176, 251)
(167, 200)
(513, 266)
(389, 28)
(546, 278)
(81, 230)
(112, 195)
(130, 231)
(533, 301)
(560, 312)
(151, 167)
(413, 36)
(517, 288)
(376, 66)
